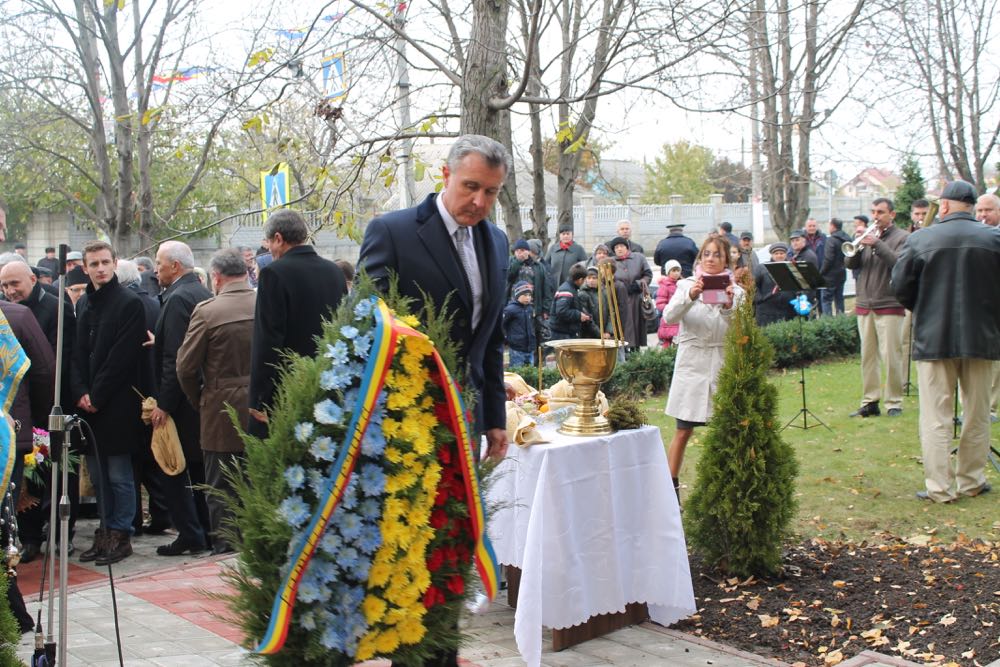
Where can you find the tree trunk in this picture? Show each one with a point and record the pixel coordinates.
(486, 78)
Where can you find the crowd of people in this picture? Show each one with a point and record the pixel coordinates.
(153, 346)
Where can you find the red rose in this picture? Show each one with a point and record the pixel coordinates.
(438, 519)
(432, 597)
(436, 560)
(456, 585)
(444, 454)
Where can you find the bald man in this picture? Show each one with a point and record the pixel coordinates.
(988, 210)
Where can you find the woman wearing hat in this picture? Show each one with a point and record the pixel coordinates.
(632, 277)
(700, 345)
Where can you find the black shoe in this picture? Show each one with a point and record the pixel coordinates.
(894, 412)
(155, 527)
(867, 410)
(219, 549)
(178, 548)
(30, 551)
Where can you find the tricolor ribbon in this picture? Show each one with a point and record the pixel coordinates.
(386, 334)
(14, 363)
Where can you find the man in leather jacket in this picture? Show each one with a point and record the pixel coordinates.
(946, 274)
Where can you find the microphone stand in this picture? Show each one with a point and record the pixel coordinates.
(59, 426)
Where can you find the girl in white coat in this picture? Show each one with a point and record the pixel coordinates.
(700, 346)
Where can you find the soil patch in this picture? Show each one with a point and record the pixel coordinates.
(926, 603)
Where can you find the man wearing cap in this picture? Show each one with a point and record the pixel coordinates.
(801, 252)
(833, 268)
(946, 276)
(624, 230)
(50, 261)
(524, 267)
(676, 246)
(563, 255)
(74, 258)
(988, 213)
(880, 314)
(748, 256)
(770, 304)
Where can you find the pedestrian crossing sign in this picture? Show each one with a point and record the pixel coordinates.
(275, 186)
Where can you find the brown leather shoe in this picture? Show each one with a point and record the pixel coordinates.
(97, 548)
(118, 548)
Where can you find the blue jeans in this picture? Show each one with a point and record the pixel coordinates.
(830, 297)
(518, 358)
(115, 488)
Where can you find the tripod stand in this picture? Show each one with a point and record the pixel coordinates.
(804, 411)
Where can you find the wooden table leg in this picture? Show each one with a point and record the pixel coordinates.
(513, 584)
(596, 626)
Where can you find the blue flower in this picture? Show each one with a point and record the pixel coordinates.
(328, 412)
(331, 543)
(296, 477)
(351, 399)
(350, 528)
(361, 569)
(303, 432)
(338, 377)
(337, 352)
(370, 509)
(362, 345)
(373, 443)
(323, 571)
(307, 620)
(370, 540)
(311, 591)
(316, 482)
(333, 638)
(323, 449)
(350, 498)
(294, 511)
(347, 331)
(363, 309)
(372, 480)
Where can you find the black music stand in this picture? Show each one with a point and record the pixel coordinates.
(798, 277)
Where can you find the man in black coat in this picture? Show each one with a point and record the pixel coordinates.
(182, 292)
(20, 285)
(109, 337)
(834, 272)
(679, 247)
(295, 293)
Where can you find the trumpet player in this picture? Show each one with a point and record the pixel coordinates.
(880, 314)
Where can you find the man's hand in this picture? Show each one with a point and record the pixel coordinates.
(584, 317)
(85, 404)
(496, 444)
(150, 339)
(158, 417)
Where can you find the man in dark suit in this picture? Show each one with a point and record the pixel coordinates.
(431, 250)
(182, 292)
(295, 293)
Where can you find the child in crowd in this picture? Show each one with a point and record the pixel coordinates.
(567, 318)
(519, 326)
(587, 302)
(668, 286)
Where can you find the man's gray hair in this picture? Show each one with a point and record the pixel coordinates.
(8, 257)
(228, 262)
(127, 272)
(290, 224)
(491, 150)
(244, 248)
(146, 262)
(178, 251)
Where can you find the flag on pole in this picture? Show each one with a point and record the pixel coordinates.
(335, 76)
(275, 186)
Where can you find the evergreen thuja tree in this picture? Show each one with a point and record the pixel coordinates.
(910, 190)
(743, 499)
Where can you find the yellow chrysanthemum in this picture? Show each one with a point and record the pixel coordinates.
(411, 631)
(373, 608)
(387, 641)
(366, 648)
(379, 574)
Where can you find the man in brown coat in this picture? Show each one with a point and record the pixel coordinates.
(213, 367)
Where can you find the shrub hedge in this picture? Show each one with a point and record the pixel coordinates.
(649, 371)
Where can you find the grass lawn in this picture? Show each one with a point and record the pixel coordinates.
(858, 481)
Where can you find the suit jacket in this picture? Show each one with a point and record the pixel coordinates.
(33, 400)
(294, 295)
(414, 245)
(213, 364)
(179, 300)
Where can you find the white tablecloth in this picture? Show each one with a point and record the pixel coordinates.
(593, 524)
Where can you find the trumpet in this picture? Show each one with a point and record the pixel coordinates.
(850, 248)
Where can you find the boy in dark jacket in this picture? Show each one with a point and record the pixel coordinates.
(519, 326)
(586, 298)
(567, 318)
